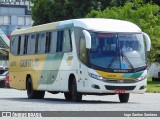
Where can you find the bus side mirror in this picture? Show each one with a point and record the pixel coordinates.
(87, 38)
(148, 41)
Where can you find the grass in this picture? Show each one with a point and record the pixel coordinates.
(153, 86)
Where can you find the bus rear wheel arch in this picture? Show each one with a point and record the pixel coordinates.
(33, 94)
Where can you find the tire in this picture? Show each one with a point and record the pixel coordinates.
(68, 96)
(2, 84)
(33, 94)
(124, 97)
(75, 95)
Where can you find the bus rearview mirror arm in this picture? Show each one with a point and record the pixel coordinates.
(87, 39)
(148, 41)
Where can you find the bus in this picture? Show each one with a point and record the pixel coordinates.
(88, 56)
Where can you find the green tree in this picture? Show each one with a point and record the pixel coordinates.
(80, 8)
(118, 3)
(154, 1)
(45, 11)
(146, 16)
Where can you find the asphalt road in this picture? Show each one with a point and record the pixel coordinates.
(15, 100)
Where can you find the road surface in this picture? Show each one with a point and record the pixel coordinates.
(15, 100)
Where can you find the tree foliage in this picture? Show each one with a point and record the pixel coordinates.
(146, 16)
(144, 13)
(45, 11)
(122, 2)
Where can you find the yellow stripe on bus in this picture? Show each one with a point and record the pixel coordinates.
(109, 75)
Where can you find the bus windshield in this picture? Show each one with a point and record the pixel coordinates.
(117, 51)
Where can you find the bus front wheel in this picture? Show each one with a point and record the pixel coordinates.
(124, 97)
(33, 94)
(75, 95)
(68, 96)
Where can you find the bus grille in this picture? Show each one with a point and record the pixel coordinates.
(121, 81)
(120, 87)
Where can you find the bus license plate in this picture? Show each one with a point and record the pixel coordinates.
(120, 91)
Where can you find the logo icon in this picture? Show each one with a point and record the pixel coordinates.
(6, 114)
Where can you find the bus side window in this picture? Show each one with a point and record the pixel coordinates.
(29, 44)
(60, 35)
(32, 43)
(64, 41)
(25, 44)
(67, 46)
(53, 42)
(19, 45)
(36, 44)
(48, 42)
(41, 43)
(22, 45)
(14, 44)
(83, 50)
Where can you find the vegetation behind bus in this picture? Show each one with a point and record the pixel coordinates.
(153, 86)
(145, 15)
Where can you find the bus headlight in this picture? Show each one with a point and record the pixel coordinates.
(95, 76)
(142, 77)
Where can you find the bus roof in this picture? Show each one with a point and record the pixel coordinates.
(95, 24)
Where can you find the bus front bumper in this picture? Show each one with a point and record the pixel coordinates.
(96, 86)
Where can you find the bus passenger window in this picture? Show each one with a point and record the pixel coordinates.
(83, 51)
(19, 45)
(14, 44)
(32, 44)
(29, 44)
(48, 42)
(53, 42)
(60, 35)
(22, 45)
(41, 43)
(25, 44)
(36, 44)
(67, 47)
(64, 41)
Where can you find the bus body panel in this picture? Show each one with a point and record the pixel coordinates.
(51, 72)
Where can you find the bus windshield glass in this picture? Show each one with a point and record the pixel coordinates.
(117, 51)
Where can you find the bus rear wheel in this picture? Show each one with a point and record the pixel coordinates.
(75, 95)
(33, 94)
(124, 97)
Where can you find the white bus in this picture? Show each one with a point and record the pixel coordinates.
(80, 56)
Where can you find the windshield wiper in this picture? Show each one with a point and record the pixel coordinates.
(123, 57)
(112, 61)
(126, 60)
